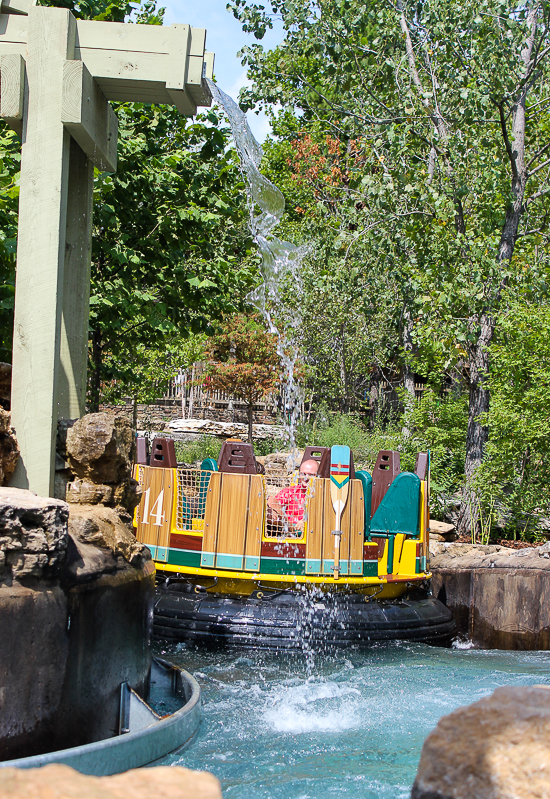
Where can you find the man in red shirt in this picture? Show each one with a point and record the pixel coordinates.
(286, 509)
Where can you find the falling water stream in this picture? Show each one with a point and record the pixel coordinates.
(280, 260)
(350, 725)
(352, 728)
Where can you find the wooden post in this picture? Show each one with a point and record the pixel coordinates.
(45, 158)
(76, 286)
(57, 75)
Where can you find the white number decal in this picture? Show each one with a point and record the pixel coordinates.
(146, 505)
(156, 510)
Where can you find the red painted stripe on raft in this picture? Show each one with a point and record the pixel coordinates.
(280, 549)
(182, 541)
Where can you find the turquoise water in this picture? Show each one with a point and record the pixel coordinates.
(350, 727)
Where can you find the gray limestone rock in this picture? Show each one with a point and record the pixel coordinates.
(33, 534)
(9, 451)
(95, 462)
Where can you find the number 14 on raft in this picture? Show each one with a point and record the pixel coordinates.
(340, 458)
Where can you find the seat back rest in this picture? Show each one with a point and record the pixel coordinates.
(142, 451)
(237, 457)
(421, 466)
(366, 481)
(399, 511)
(386, 469)
(163, 453)
(322, 456)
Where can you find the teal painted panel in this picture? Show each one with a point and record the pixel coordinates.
(152, 550)
(185, 557)
(251, 563)
(356, 567)
(290, 566)
(207, 559)
(328, 567)
(370, 568)
(224, 561)
(366, 481)
(417, 567)
(399, 511)
(313, 566)
(162, 554)
(209, 465)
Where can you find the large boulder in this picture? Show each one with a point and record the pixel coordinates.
(101, 541)
(63, 782)
(97, 454)
(497, 748)
(33, 535)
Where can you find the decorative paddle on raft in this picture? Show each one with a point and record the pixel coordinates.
(339, 488)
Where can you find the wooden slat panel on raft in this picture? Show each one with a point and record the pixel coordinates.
(314, 543)
(211, 514)
(255, 523)
(232, 521)
(154, 514)
(357, 525)
(329, 521)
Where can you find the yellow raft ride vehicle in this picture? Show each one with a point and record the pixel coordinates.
(244, 559)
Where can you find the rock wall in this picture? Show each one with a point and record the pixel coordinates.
(9, 451)
(499, 597)
(497, 748)
(76, 597)
(159, 415)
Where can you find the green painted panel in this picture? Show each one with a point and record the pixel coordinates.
(366, 480)
(399, 511)
(209, 465)
(417, 567)
(356, 568)
(370, 568)
(290, 566)
(185, 557)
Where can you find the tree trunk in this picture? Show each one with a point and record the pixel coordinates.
(250, 411)
(408, 373)
(375, 392)
(477, 433)
(95, 377)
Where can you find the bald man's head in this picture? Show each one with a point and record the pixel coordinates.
(309, 469)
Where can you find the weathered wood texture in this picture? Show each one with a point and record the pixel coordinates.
(76, 286)
(41, 249)
(12, 90)
(88, 116)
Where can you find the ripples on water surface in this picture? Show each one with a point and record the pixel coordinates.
(353, 727)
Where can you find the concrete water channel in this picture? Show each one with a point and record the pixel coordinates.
(348, 725)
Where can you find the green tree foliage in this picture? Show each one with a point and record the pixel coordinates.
(243, 361)
(170, 250)
(442, 175)
(517, 469)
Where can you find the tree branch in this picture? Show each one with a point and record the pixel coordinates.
(507, 141)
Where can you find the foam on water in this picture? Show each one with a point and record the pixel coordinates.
(354, 728)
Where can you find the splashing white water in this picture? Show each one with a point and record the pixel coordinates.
(280, 259)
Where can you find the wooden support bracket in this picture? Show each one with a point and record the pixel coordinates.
(20, 7)
(12, 90)
(88, 116)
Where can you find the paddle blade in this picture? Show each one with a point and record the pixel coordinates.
(340, 458)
